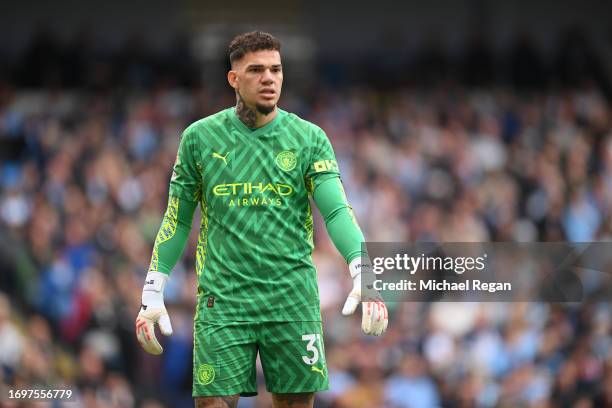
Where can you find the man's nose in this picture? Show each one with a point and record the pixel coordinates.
(267, 76)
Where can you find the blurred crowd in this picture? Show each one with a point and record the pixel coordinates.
(83, 185)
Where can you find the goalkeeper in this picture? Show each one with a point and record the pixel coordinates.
(252, 169)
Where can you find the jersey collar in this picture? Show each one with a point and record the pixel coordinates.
(259, 131)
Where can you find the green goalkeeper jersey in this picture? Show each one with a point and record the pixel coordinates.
(256, 236)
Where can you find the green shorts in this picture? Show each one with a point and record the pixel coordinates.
(292, 357)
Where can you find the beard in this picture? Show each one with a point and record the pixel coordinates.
(265, 110)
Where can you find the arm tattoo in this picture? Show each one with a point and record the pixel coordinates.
(294, 400)
(226, 401)
(246, 114)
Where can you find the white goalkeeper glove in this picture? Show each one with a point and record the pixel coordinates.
(153, 311)
(374, 318)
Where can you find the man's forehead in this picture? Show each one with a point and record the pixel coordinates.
(263, 57)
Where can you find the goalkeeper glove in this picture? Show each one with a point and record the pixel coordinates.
(374, 315)
(153, 311)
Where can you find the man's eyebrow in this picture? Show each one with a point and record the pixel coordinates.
(262, 66)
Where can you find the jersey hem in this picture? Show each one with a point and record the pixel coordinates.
(281, 320)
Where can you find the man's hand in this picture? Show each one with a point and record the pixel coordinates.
(374, 317)
(153, 311)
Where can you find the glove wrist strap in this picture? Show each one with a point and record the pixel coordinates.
(356, 265)
(153, 290)
(155, 281)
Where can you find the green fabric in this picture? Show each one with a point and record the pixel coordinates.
(292, 355)
(339, 219)
(254, 250)
(173, 234)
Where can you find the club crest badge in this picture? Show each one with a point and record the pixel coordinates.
(206, 374)
(286, 160)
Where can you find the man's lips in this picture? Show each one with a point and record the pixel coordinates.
(268, 93)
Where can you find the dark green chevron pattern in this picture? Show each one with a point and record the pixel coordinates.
(255, 245)
(292, 357)
(283, 347)
(224, 359)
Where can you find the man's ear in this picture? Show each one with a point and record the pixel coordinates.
(232, 79)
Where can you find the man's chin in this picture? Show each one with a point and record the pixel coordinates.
(265, 109)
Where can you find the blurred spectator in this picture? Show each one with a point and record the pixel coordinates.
(11, 340)
(411, 387)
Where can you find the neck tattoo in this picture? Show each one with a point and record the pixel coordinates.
(245, 114)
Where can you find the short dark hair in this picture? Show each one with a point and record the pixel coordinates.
(251, 42)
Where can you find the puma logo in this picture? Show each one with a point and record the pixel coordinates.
(218, 156)
(317, 370)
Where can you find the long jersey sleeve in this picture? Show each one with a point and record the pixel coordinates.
(340, 221)
(184, 194)
(172, 235)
